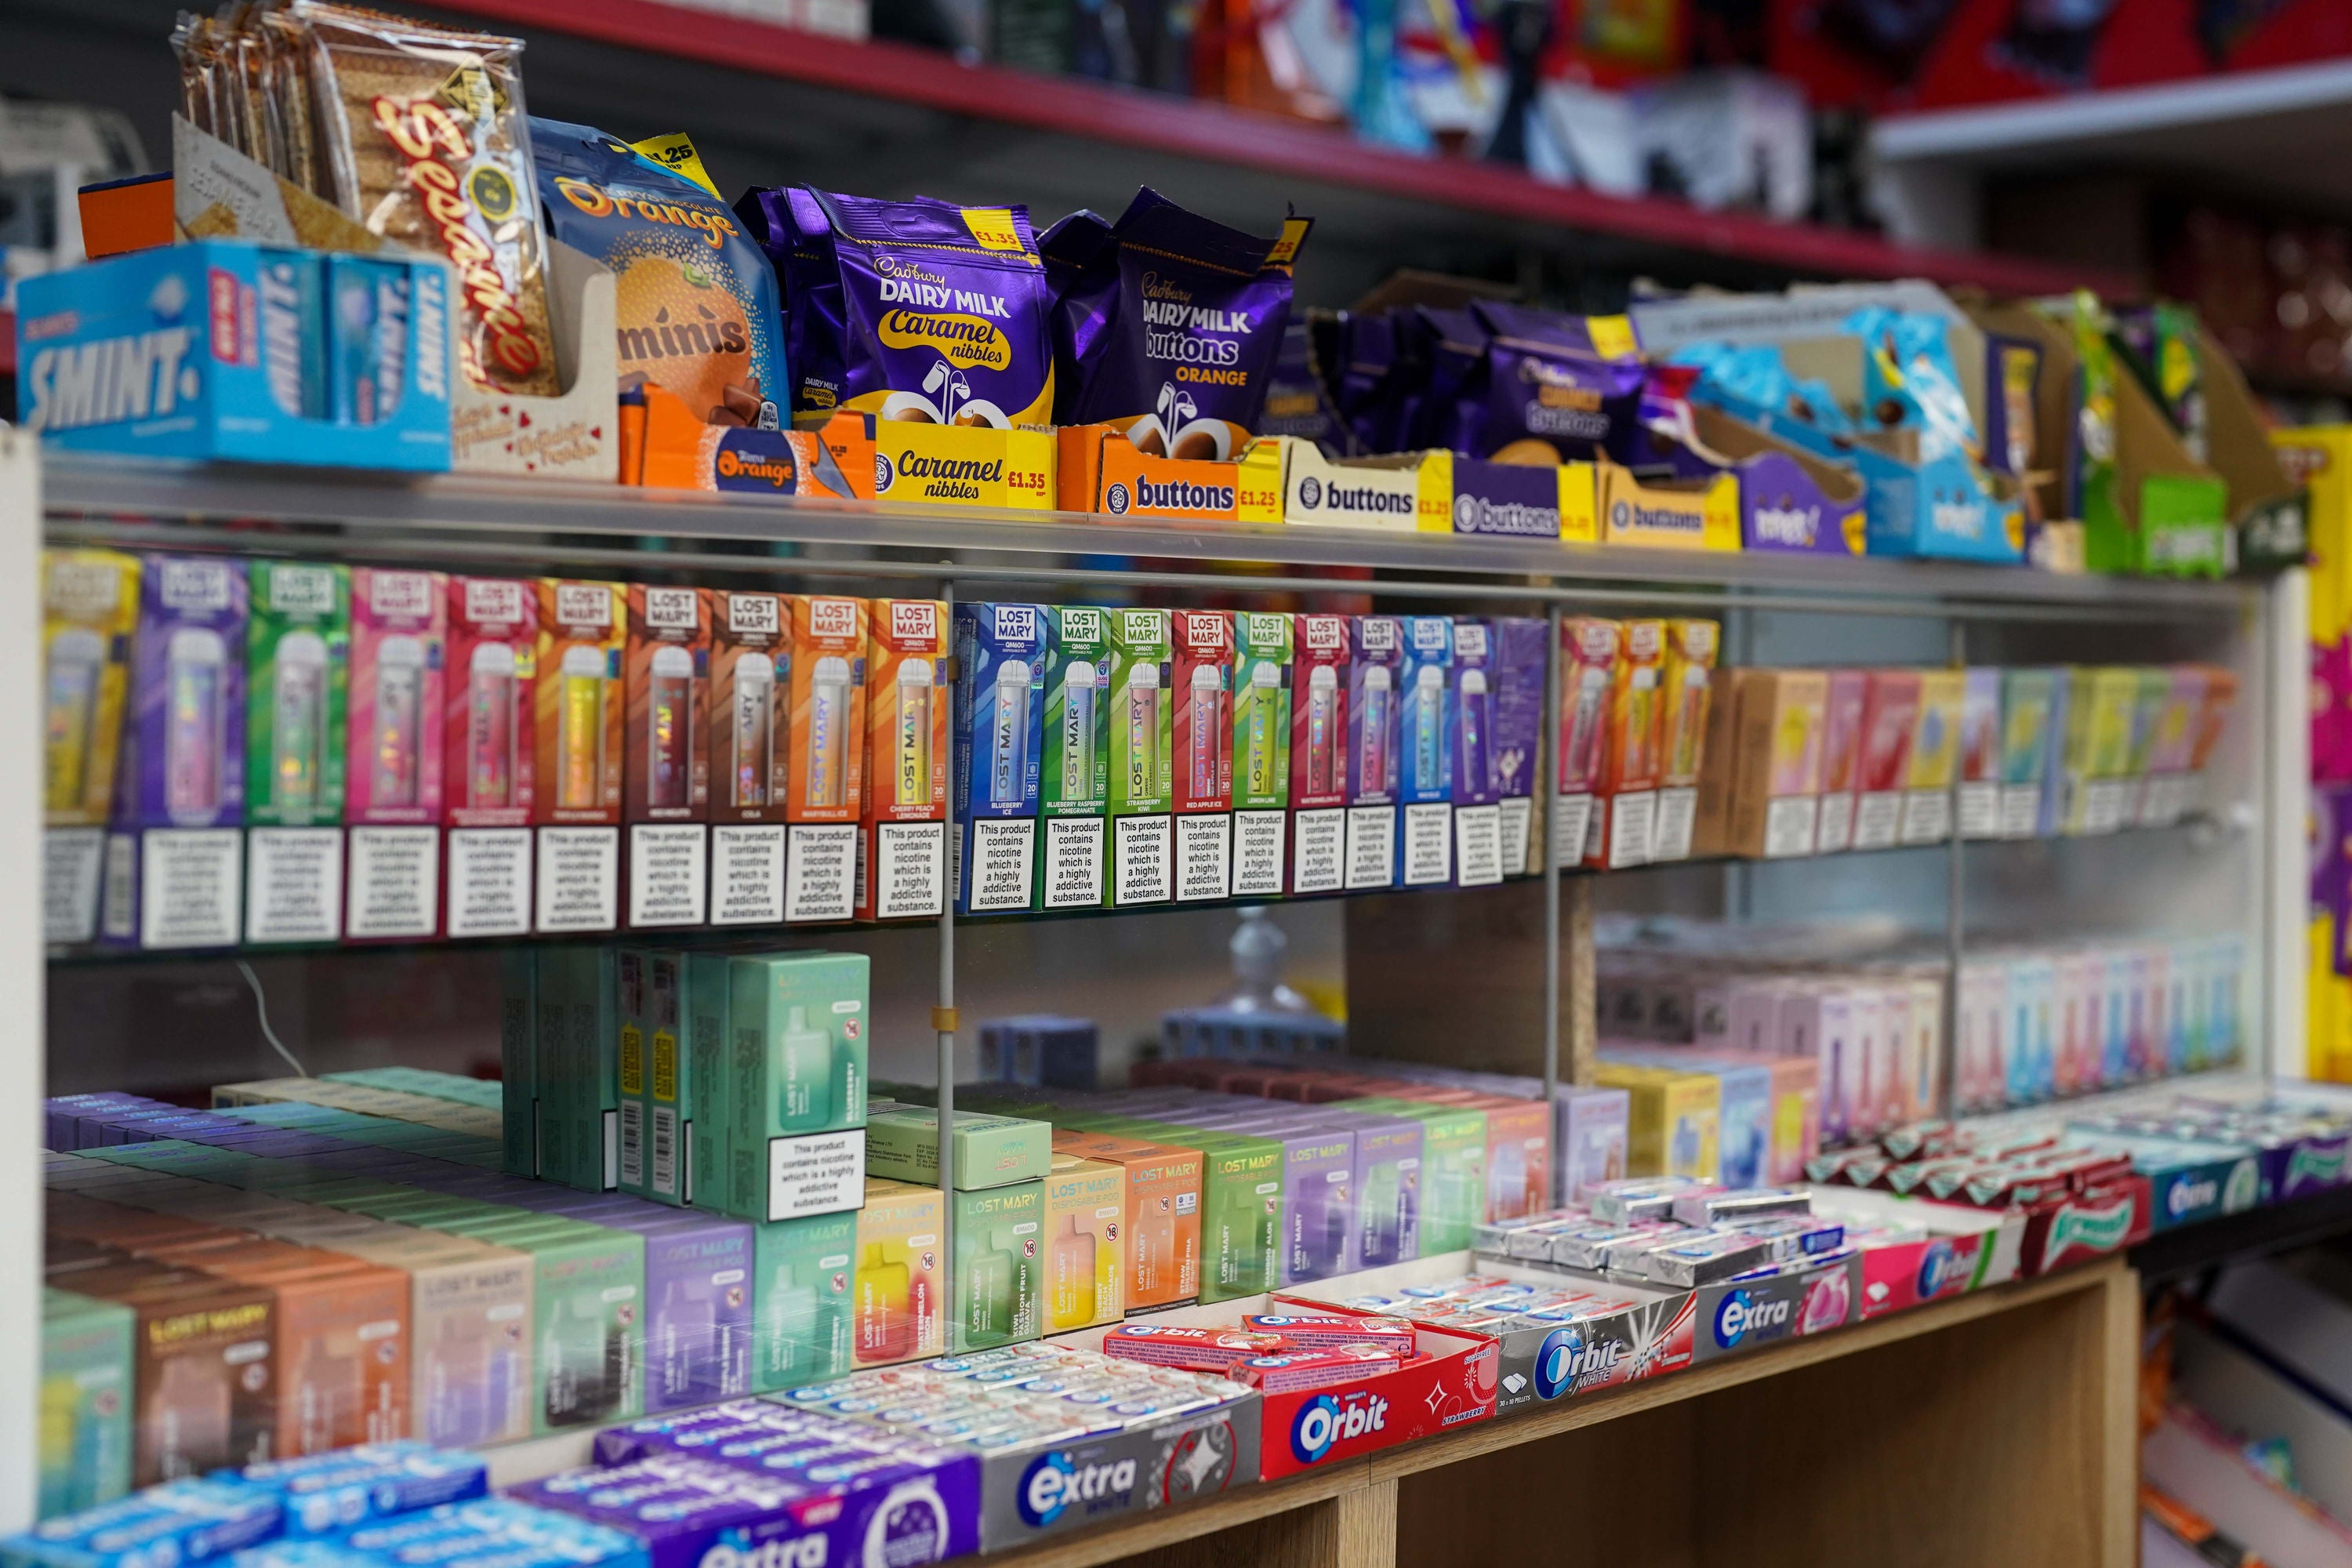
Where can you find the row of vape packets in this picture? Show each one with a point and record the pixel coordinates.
(2036, 1023)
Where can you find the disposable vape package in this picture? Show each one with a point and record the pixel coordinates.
(1203, 705)
(1890, 722)
(749, 753)
(1085, 1241)
(90, 613)
(1588, 655)
(2028, 710)
(1074, 758)
(1935, 758)
(1690, 653)
(1388, 1171)
(665, 766)
(1471, 679)
(86, 1401)
(665, 1100)
(1517, 676)
(490, 754)
(1162, 1228)
(2164, 794)
(1776, 750)
(297, 656)
(1318, 753)
(902, 852)
(1625, 798)
(1142, 767)
(1589, 1139)
(801, 1300)
(1980, 755)
(1427, 744)
(399, 637)
(698, 1316)
(201, 1405)
(578, 1067)
(1259, 751)
(828, 756)
(173, 875)
(898, 1306)
(341, 1337)
(795, 1087)
(1847, 693)
(579, 732)
(997, 1281)
(1375, 771)
(1001, 699)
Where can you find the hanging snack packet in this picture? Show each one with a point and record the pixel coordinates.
(1173, 324)
(940, 308)
(1558, 387)
(421, 136)
(695, 298)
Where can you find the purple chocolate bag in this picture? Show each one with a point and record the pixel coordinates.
(791, 228)
(1552, 395)
(1170, 324)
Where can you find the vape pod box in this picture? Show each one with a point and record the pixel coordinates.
(1890, 722)
(796, 1092)
(2164, 794)
(1242, 1229)
(902, 850)
(801, 1300)
(1319, 683)
(1074, 758)
(829, 757)
(1980, 766)
(666, 760)
(587, 1320)
(902, 1143)
(1674, 1123)
(1260, 742)
(998, 1268)
(1374, 773)
(205, 1371)
(1142, 775)
(86, 1401)
(1318, 1192)
(897, 1305)
(1848, 693)
(750, 758)
(1453, 1166)
(1588, 654)
(1388, 1184)
(1686, 679)
(2099, 749)
(1934, 757)
(341, 1341)
(2028, 707)
(400, 627)
(664, 1099)
(1471, 680)
(173, 856)
(697, 1321)
(490, 756)
(1202, 706)
(1085, 1266)
(1775, 762)
(578, 1067)
(1001, 660)
(1519, 1152)
(1589, 1133)
(1426, 746)
(2148, 717)
(1163, 1235)
(1517, 675)
(518, 1062)
(578, 732)
(90, 613)
(298, 655)
(1625, 797)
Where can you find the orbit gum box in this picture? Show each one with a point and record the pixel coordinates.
(902, 851)
(828, 756)
(490, 754)
(666, 765)
(1454, 1382)
(750, 754)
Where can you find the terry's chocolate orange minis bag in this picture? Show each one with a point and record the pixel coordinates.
(697, 301)
(423, 132)
(941, 309)
(1171, 325)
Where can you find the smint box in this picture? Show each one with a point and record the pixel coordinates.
(1426, 748)
(1374, 776)
(1073, 759)
(1000, 709)
(219, 349)
(173, 855)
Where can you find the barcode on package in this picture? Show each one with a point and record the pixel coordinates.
(633, 1143)
(665, 1180)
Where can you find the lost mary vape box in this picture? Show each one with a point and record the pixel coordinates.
(577, 733)
(1000, 705)
(1517, 671)
(902, 846)
(400, 629)
(1375, 674)
(490, 755)
(1073, 759)
(1683, 725)
(995, 1286)
(173, 855)
(665, 766)
(751, 754)
(1935, 760)
(1980, 755)
(801, 1300)
(1588, 662)
(90, 615)
(1477, 820)
(1625, 797)
(1318, 753)
(1846, 696)
(1425, 752)
(298, 657)
(1260, 741)
(1890, 719)
(1201, 735)
(898, 1311)
(829, 757)
(795, 1085)
(1141, 795)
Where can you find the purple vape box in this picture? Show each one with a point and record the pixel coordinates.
(1473, 678)
(1516, 668)
(698, 1310)
(1374, 714)
(1388, 1185)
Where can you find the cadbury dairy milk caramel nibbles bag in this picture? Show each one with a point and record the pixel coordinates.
(696, 299)
(1170, 324)
(415, 130)
(917, 309)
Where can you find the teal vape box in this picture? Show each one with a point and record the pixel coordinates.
(902, 1143)
(801, 1302)
(994, 1298)
(796, 1072)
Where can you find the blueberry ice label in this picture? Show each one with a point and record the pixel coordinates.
(1056, 1482)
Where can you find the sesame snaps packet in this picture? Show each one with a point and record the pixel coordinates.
(424, 137)
(941, 309)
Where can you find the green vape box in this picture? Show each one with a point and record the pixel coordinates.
(902, 1144)
(1453, 1167)
(801, 1302)
(1138, 714)
(84, 1435)
(1073, 760)
(579, 1067)
(588, 1329)
(795, 1072)
(993, 1299)
(707, 990)
(297, 654)
(658, 1120)
(518, 1062)
(1261, 710)
(1242, 1228)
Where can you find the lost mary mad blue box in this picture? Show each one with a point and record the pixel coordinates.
(226, 349)
(1000, 709)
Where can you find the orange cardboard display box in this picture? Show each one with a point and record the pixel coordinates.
(666, 445)
(1102, 471)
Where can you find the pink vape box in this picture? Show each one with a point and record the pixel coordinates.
(493, 648)
(1319, 754)
(392, 801)
(1890, 716)
(1841, 758)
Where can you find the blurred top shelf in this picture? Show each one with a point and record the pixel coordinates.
(448, 519)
